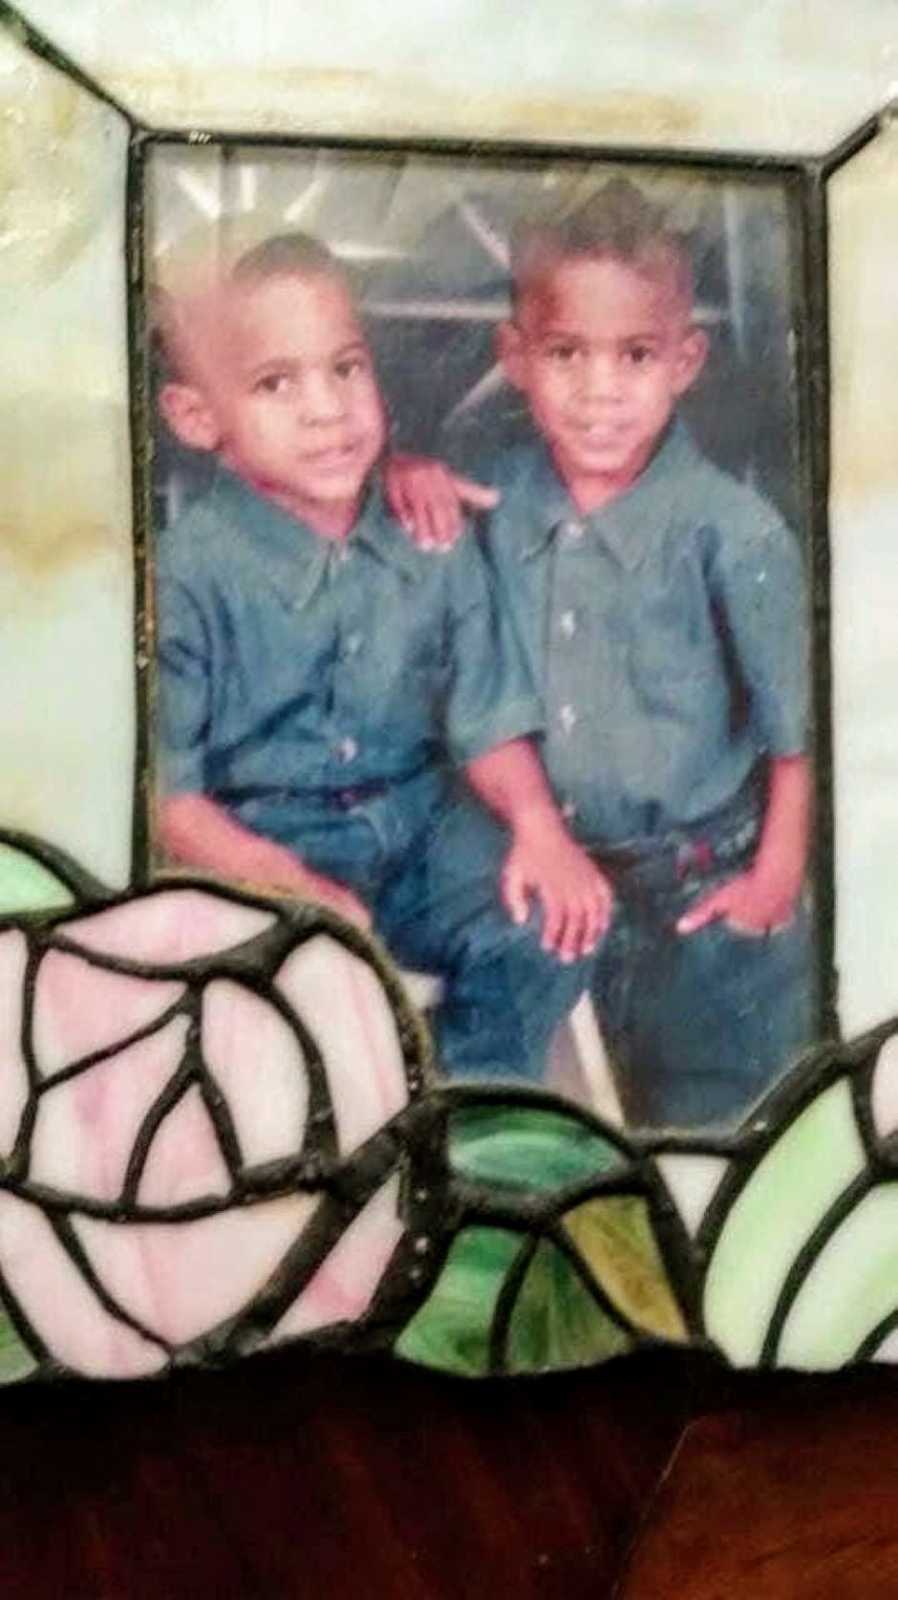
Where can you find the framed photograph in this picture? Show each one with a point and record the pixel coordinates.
(449, 601)
(615, 353)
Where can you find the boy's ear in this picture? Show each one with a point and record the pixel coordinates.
(189, 416)
(511, 354)
(692, 356)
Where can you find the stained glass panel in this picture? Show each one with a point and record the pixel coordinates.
(223, 1123)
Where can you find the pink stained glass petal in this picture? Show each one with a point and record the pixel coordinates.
(183, 1278)
(86, 1125)
(344, 1285)
(343, 1004)
(13, 1072)
(185, 1160)
(60, 1306)
(884, 1089)
(258, 1064)
(170, 925)
(79, 1008)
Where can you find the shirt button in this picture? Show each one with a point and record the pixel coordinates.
(567, 716)
(571, 532)
(347, 749)
(567, 624)
(569, 810)
(353, 644)
(343, 554)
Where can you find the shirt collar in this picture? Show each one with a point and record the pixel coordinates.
(294, 557)
(630, 523)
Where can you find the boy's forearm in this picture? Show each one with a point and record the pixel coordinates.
(785, 832)
(199, 832)
(510, 780)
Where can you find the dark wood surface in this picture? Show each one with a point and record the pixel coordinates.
(655, 1477)
(794, 1496)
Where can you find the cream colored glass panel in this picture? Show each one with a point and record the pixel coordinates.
(66, 630)
(786, 75)
(864, 531)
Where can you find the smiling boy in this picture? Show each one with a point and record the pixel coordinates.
(318, 677)
(662, 609)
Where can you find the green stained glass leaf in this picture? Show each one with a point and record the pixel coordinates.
(529, 1149)
(614, 1237)
(16, 1361)
(556, 1323)
(850, 1289)
(27, 885)
(787, 1195)
(452, 1328)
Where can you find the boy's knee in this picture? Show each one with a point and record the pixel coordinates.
(522, 947)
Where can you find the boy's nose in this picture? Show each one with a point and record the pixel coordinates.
(320, 399)
(601, 377)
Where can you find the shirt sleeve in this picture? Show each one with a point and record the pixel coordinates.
(183, 710)
(758, 584)
(491, 696)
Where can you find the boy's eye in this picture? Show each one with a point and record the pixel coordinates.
(273, 383)
(347, 366)
(562, 353)
(639, 354)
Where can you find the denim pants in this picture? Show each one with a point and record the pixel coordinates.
(426, 859)
(699, 1025)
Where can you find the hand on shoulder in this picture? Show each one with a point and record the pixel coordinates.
(430, 500)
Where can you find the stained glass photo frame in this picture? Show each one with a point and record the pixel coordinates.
(477, 1228)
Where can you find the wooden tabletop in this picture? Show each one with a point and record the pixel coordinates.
(293, 1476)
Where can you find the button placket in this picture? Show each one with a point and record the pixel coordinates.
(346, 700)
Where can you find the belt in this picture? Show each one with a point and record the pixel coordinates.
(675, 860)
(345, 798)
(353, 795)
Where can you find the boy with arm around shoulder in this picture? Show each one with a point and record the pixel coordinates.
(661, 605)
(318, 676)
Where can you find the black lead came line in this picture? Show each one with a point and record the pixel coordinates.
(810, 173)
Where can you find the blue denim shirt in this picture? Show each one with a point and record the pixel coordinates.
(667, 633)
(289, 663)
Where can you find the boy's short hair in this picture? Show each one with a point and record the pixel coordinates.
(619, 223)
(285, 255)
(282, 255)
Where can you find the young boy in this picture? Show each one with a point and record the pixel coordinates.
(661, 606)
(317, 675)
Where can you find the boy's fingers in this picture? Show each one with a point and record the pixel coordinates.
(748, 930)
(447, 520)
(577, 938)
(596, 924)
(475, 494)
(413, 519)
(418, 520)
(514, 894)
(553, 922)
(708, 910)
(568, 941)
(350, 907)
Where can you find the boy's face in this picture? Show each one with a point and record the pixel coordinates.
(602, 351)
(282, 387)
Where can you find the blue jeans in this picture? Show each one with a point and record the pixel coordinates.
(699, 1025)
(426, 859)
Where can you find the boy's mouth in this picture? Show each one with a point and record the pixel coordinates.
(601, 433)
(331, 457)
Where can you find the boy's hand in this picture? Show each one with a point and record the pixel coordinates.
(202, 833)
(328, 892)
(575, 897)
(279, 869)
(429, 500)
(752, 903)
